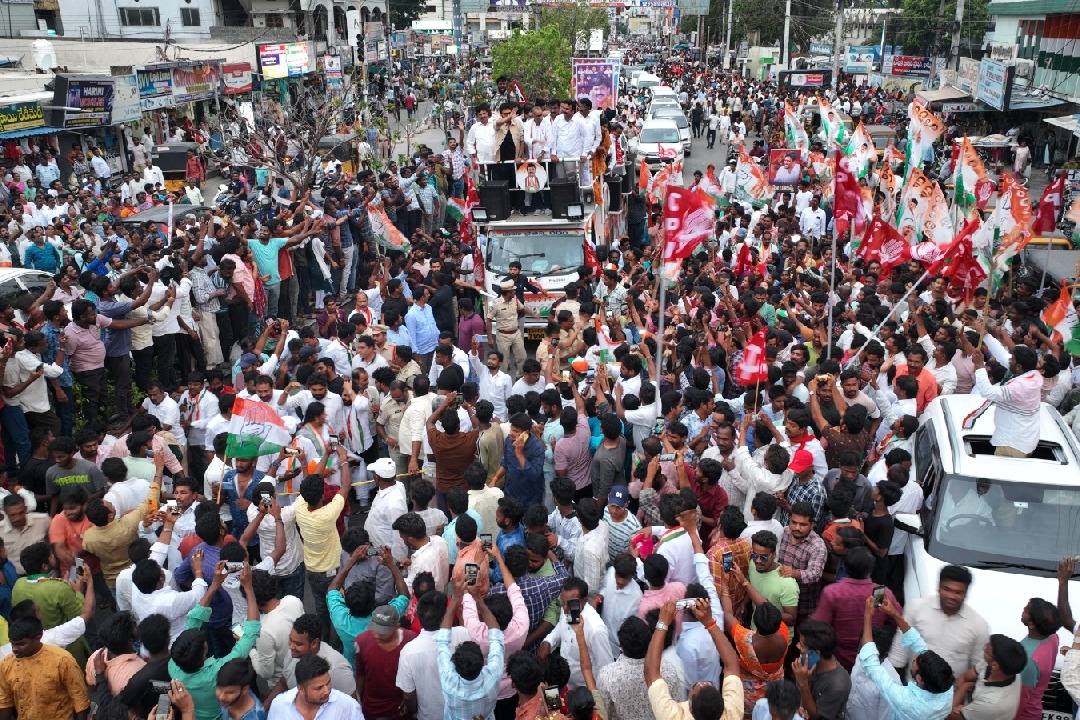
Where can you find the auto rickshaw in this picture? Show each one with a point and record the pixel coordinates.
(344, 149)
(172, 159)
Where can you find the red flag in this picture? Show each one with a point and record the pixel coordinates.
(688, 219)
(883, 243)
(744, 261)
(1049, 206)
(754, 367)
(848, 206)
(959, 264)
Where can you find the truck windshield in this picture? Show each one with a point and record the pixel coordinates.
(540, 253)
(994, 524)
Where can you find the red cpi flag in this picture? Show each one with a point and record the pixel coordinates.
(688, 219)
(884, 244)
(1049, 207)
(754, 367)
(848, 206)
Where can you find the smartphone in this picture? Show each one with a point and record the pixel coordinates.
(658, 426)
(590, 377)
(234, 567)
(161, 687)
(291, 451)
(728, 561)
(573, 609)
(812, 658)
(566, 376)
(237, 630)
(685, 603)
(172, 507)
(472, 571)
(163, 707)
(879, 595)
(150, 454)
(667, 457)
(552, 699)
(40, 366)
(485, 541)
(480, 338)
(373, 551)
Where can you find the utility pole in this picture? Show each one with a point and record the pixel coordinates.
(838, 43)
(728, 63)
(954, 50)
(785, 62)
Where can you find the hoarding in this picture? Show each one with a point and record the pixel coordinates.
(196, 82)
(285, 60)
(906, 65)
(994, 84)
(155, 88)
(125, 107)
(89, 103)
(236, 77)
(21, 116)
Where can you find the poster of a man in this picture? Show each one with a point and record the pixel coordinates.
(598, 80)
(785, 170)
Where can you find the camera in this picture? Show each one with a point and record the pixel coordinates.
(485, 541)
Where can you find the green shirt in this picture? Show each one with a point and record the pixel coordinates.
(554, 609)
(780, 591)
(57, 603)
(348, 626)
(202, 684)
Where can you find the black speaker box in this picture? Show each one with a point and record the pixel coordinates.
(495, 198)
(564, 192)
(614, 194)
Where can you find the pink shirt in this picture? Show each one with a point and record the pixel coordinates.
(242, 275)
(513, 636)
(84, 346)
(653, 599)
(467, 327)
(572, 454)
(842, 605)
(157, 444)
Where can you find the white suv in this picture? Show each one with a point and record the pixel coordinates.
(1009, 520)
(659, 140)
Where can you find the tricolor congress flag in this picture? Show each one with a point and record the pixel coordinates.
(255, 429)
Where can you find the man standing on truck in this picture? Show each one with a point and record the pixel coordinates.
(1016, 402)
(505, 317)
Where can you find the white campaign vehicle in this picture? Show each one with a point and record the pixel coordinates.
(1009, 520)
(675, 114)
(646, 80)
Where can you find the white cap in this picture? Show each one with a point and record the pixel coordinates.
(384, 468)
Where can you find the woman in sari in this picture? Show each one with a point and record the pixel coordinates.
(761, 652)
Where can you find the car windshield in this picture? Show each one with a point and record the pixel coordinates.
(659, 135)
(994, 524)
(672, 114)
(540, 253)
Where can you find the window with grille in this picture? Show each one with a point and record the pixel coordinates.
(140, 17)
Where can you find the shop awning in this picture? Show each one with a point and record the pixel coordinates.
(1066, 122)
(945, 94)
(15, 134)
(1023, 101)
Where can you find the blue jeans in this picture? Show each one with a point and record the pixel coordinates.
(66, 411)
(273, 296)
(457, 187)
(16, 436)
(292, 584)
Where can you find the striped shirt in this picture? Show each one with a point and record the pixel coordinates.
(619, 534)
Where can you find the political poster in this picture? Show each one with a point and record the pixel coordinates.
(596, 79)
(785, 169)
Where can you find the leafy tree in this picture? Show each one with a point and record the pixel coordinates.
(404, 12)
(919, 27)
(539, 60)
(572, 18)
(810, 18)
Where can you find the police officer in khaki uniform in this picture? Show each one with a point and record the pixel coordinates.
(504, 317)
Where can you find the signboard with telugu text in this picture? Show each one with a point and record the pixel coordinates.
(906, 65)
(21, 116)
(994, 85)
(155, 88)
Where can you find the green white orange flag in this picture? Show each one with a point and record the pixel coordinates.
(860, 151)
(973, 187)
(795, 132)
(1062, 319)
(924, 128)
(255, 429)
(751, 181)
(1011, 221)
(835, 132)
(937, 223)
(915, 201)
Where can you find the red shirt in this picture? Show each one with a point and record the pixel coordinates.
(381, 697)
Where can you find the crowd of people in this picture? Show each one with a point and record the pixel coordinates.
(609, 526)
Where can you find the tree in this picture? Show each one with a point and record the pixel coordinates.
(921, 27)
(766, 18)
(572, 18)
(317, 115)
(539, 60)
(403, 13)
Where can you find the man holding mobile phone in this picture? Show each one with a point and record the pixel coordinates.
(574, 594)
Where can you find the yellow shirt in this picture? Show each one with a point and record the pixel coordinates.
(322, 545)
(665, 708)
(48, 684)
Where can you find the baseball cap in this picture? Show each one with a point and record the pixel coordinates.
(307, 352)
(802, 460)
(249, 359)
(384, 620)
(619, 495)
(384, 468)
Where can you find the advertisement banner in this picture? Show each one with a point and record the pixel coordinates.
(859, 59)
(236, 78)
(908, 65)
(125, 106)
(197, 82)
(993, 84)
(799, 79)
(818, 48)
(397, 41)
(285, 60)
(332, 67)
(94, 100)
(596, 79)
(373, 31)
(155, 89)
(21, 116)
(967, 77)
(371, 52)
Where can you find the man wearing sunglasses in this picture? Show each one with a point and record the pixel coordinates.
(764, 583)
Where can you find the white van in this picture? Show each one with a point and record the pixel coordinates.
(646, 80)
(1009, 520)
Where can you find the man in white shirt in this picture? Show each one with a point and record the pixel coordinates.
(568, 136)
(537, 134)
(152, 595)
(418, 669)
(152, 174)
(429, 554)
(495, 385)
(812, 220)
(159, 404)
(727, 178)
(317, 391)
(564, 639)
(480, 142)
(387, 506)
(1016, 403)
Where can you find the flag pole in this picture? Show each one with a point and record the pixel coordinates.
(660, 338)
(901, 301)
(832, 291)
